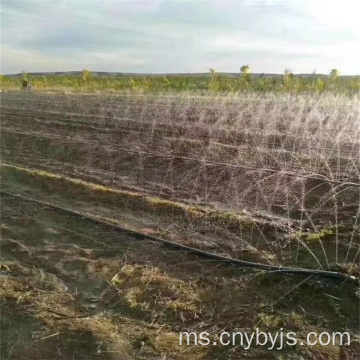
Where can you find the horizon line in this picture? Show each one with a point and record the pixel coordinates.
(169, 73)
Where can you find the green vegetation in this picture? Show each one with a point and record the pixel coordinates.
(334, 74)
(214, 82)
(245, 70)
(318, 236)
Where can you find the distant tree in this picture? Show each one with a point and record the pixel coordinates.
(334, 74)
(86, 74)
(245, 71)
(288, 73)
(24, 80)
(289, 80)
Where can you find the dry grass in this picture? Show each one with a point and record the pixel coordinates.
(132, 300)
(144, 286)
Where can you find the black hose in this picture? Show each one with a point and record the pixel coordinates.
(139, 235)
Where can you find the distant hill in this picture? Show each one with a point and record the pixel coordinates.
(125, 74)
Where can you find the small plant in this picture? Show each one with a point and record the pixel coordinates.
(133, 84)
(214, 83)
(24, 80)
(166, 82)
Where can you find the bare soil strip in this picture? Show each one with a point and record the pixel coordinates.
(70, 287)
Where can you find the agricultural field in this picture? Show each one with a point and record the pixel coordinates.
(91, 184)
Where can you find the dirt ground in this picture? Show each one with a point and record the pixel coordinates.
(73, 289)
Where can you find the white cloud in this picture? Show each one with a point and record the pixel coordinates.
(180, 35)
(334, 15)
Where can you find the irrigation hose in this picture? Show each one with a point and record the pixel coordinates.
(142, 236)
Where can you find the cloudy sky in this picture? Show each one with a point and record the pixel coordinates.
(162, 36)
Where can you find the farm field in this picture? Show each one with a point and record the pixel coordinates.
(271, 179)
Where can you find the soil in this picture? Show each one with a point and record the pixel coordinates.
(71, 289)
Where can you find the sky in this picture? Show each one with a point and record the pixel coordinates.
(180, 36)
